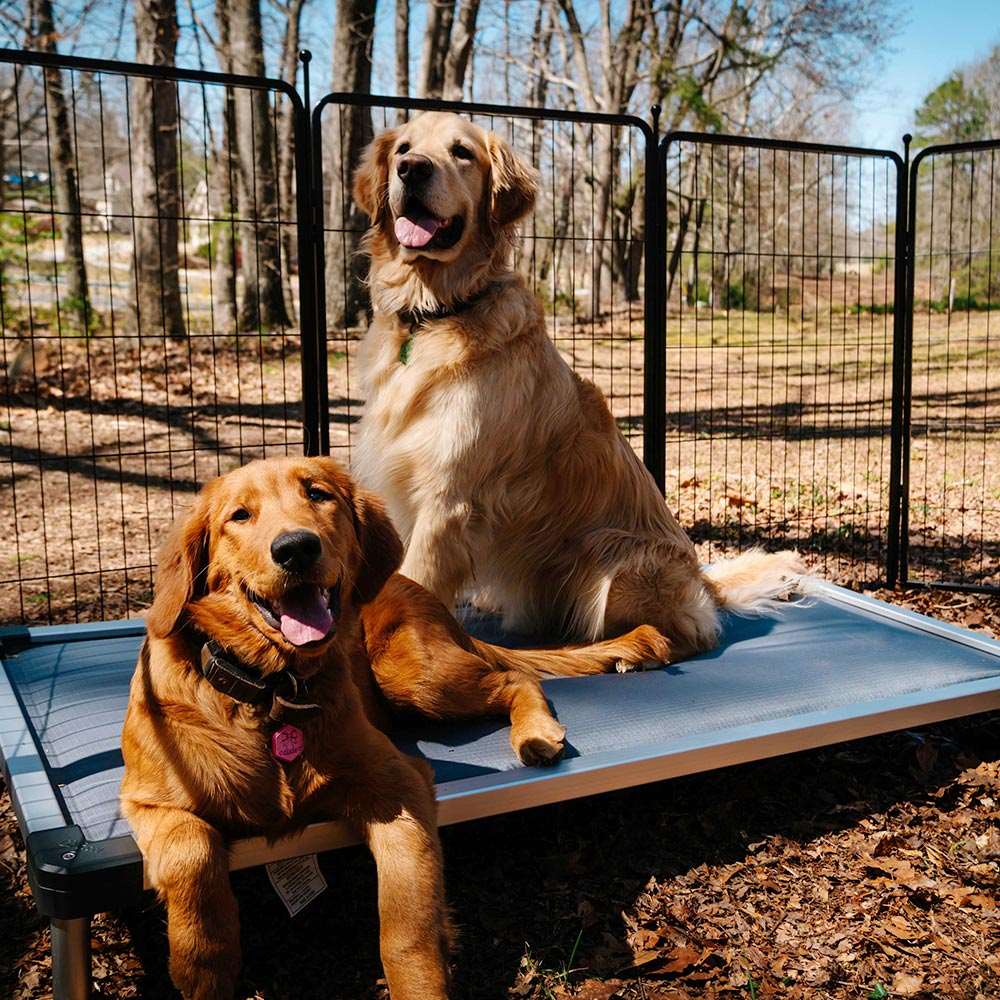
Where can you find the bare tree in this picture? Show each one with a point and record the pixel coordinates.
(447, 50)
(286, 139)
(402, 25)
(437, 39)
(155, 189)
(65, 179)
(350, 132)
(225, 181)
(460, 50)
(263, 304)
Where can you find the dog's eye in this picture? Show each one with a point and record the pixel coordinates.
(460, 152)
(240, 514)
(317, 495)
(404, 147)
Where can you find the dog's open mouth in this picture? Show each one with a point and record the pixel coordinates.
(419, 229)
(304, 614)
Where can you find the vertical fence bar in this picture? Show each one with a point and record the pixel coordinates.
(907, 388)
(319, 276)
(902, 371)
(310, 332)
(654, 394)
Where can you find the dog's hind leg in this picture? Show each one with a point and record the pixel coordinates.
(440, 679)
(669, 594)
(535, 734)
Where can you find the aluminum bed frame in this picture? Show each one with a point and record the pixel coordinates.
(835, 667)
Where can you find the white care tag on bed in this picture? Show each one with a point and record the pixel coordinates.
(298, 881)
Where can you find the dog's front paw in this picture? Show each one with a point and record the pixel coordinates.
(205, 976)
(540, 743)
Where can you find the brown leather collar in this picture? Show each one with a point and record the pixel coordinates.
(284, 694)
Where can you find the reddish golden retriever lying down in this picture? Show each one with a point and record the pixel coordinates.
(278, 635)
(499, 465)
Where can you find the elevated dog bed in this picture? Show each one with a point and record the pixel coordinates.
(837, 667)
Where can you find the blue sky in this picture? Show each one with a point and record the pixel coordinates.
(937, 36)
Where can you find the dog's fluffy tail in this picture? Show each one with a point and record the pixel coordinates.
(756, 581)
(642, 645)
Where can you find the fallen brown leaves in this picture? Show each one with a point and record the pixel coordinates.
(865, 871)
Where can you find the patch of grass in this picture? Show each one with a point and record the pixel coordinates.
(872, 309)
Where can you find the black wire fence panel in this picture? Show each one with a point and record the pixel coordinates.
(582, 249)
(953, 530)
(148, 288)
(780, 272)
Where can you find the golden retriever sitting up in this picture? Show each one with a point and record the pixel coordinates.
(253, 708)
(502, 468)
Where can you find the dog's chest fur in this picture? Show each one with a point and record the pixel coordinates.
(215, 753)
(423, 418)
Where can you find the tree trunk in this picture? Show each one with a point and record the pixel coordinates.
(402, 52)
(65, 180)
(437, 39)
(263, 304)
(286, 146)
(226, 182)
(351, 131)
(693, 282)
(459, 51)
(155, 186)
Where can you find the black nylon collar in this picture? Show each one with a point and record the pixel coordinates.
(284, 693)
(415, 319)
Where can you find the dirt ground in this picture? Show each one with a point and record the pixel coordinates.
(866, 870)
(778, 433)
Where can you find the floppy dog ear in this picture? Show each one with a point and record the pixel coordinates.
(381, 548)
(180, 571)
(514, 183)
(371, 179)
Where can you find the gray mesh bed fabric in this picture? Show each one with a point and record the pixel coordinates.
(834, 667)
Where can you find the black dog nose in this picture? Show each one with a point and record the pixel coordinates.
(296, 551)
(414, 168)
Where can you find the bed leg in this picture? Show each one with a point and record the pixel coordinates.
(71, 959)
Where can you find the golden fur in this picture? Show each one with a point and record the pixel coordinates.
(502, 469)
(198, 770)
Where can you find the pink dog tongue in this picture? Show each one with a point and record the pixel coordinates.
(305, 615)
(416, 233)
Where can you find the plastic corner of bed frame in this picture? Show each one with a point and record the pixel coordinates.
(72, 877)
(14, 639)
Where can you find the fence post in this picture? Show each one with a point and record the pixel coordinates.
(902, 315)
(654, 396)
(309, 329)
(319, 276)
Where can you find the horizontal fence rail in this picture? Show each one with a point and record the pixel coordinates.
(149, 256)
(795, 337)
